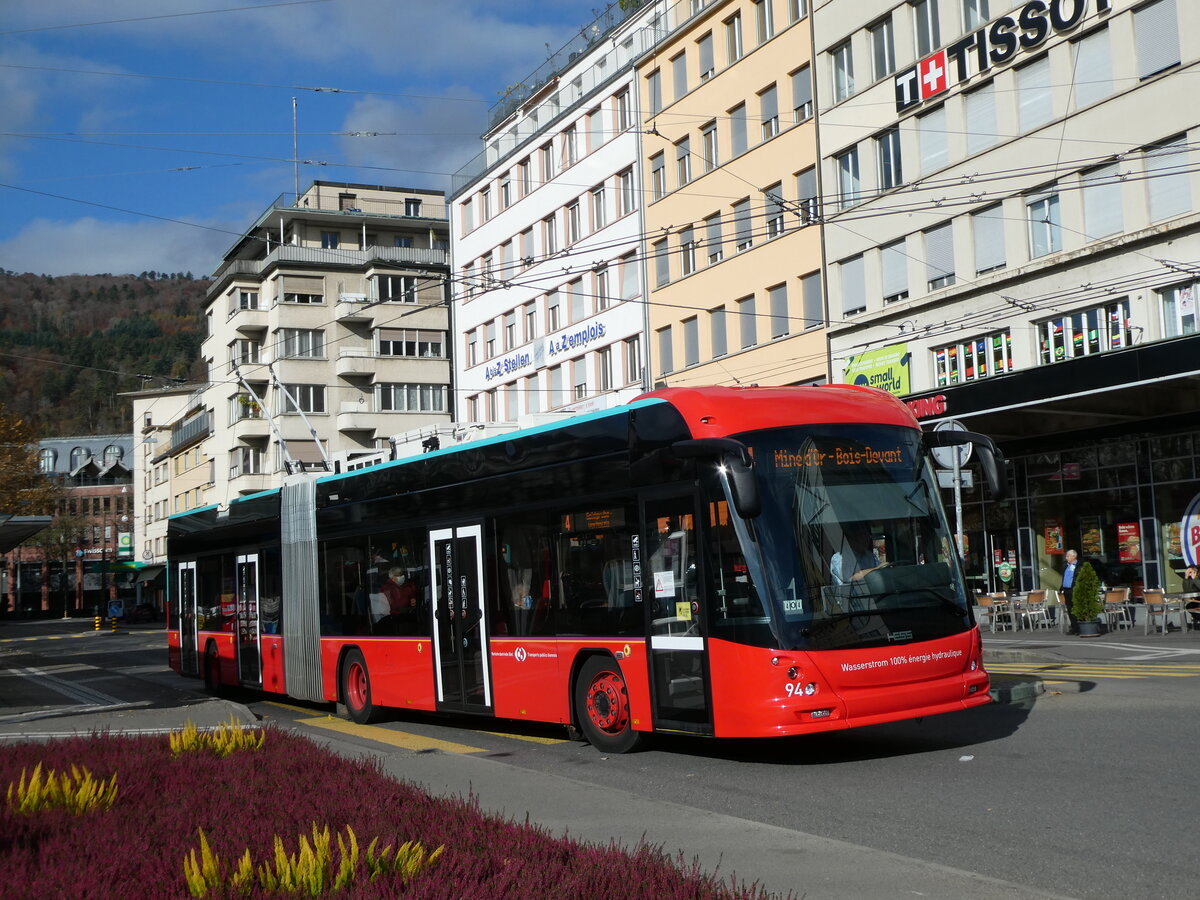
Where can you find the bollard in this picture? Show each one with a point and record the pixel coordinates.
(97, 623)
(113, 621)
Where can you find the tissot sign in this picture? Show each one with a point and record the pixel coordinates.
(995, 44)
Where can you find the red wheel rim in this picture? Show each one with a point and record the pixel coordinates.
(607, 704)
(356, 686)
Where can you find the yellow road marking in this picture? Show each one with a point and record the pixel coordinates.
(533, 739)
(401, 739)
(49, 637)
(1100, 670)
(307, 710)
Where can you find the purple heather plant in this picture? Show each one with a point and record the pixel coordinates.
(136, 848)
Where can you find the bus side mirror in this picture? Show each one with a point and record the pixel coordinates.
(738, 466)
(991, 459)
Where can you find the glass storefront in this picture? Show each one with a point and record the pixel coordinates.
(1117, 502)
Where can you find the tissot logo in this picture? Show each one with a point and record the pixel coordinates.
(995, 44)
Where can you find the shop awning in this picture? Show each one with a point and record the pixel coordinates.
(150, 573)
(1109, 393)
(15, 529)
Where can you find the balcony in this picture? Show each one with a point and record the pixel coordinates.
(251, 322)
(355, 362)
(250, 428)
(352, 308)
(251, 483)
(354, 416)
(289, 254)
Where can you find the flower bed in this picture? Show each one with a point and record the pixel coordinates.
(244, 801)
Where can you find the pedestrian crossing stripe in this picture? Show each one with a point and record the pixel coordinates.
(1094, 670)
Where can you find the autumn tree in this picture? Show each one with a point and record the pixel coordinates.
(24, 490)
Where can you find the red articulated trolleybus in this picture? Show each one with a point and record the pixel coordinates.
(731, 562)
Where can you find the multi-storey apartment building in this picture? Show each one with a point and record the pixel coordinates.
(729, 155)
(327, 336)
(1012, 229)
(548, 234)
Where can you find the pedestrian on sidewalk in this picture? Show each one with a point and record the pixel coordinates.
(1068, 584)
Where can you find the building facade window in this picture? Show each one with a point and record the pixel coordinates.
(307, 398)
(658, 176)
(733, 38)
(687, 252)
(847, 176)
(633, 360)
(747, 322)
(627, 195)
(691, 341)
(737, 130)
(982, 357)
(413, 398)
(780, 318)
(883, 50)
(926, 26)
(742, 227)
(708, 146)
(717, 334)
(1102, 214)
(412, 342)
(679, 75)
(299, 343)
(662, 263)
(974, 14)
(329, 240)
(704, 52)
(893, 264)
(683, 162)
(1156, 35)
(1093, 69)
(666, 359)
(931, 133)
(604, 373)
(806, 194)
(1168, 179)
(1084, 333)
(887, 149)
(981, 118)
(814, 303)
(774, 209)
(843, 72)
(764, 20)
(396, 288)
(654, 91)
(713, 239)
(939, 256)
(854, 288)
(802, 101)
(768, 104)
(1045, 226)
(987, 227)
(1035, 100)
(1179, 309)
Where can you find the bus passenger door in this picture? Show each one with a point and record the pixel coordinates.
(678, 662)
(189, 660)
(249, 654)
(459, 619)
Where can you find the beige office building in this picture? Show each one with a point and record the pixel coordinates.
(728, 156)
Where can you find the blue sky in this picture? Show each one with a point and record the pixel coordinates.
(208, 139)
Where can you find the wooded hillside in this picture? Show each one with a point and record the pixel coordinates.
(70, 344)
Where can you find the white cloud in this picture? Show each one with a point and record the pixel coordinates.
(421, 143)
(89, 246)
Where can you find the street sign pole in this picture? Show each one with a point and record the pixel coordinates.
(953, 458)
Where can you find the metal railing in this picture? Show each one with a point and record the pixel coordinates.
(289, 253)
(327, 199)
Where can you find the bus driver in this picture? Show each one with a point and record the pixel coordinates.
(857, 556)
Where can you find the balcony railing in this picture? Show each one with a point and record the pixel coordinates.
(328, 200)
(340, 258)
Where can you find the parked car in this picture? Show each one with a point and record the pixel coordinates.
(143, 612)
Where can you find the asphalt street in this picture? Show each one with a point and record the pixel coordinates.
(60, 678)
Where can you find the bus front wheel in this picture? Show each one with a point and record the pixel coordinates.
(602, 707)
(356, 689)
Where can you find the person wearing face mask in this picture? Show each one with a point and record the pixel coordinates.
(400, 592)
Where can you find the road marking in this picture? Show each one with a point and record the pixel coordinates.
(306, 710)
(404, 740)
(1094, 670)
(49, 637)
(533, 739)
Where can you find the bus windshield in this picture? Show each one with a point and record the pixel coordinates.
(852, 542)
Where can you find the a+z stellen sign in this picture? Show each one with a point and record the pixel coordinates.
(995, 44)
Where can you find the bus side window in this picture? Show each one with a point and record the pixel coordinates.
(524, 575)
(596, 572)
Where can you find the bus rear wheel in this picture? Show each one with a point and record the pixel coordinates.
(602, 707)
(356, 689)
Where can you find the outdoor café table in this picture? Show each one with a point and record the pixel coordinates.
(1178, 603)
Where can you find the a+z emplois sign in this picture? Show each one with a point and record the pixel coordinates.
(995, 44)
